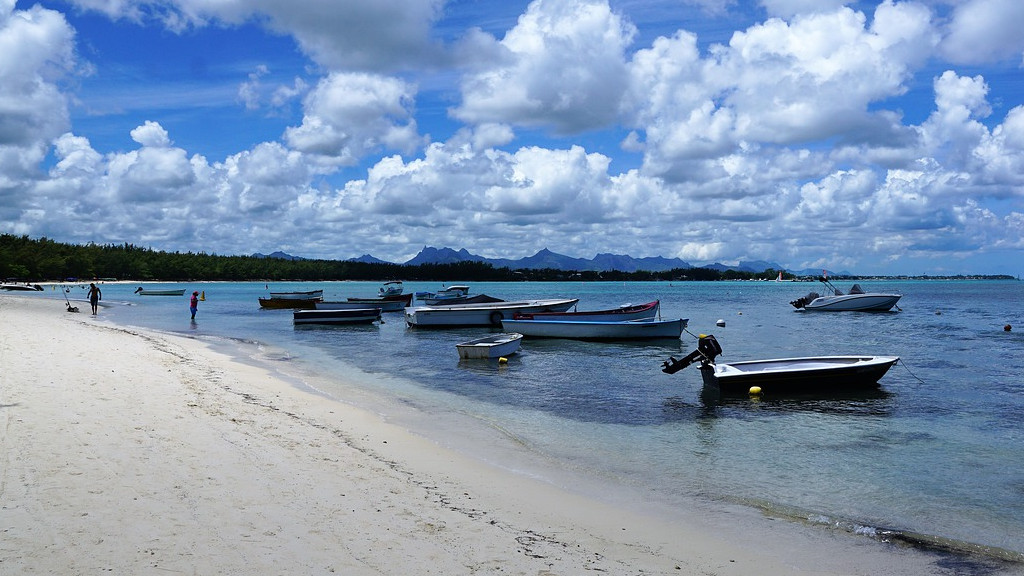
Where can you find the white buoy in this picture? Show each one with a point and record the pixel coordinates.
(720, 322)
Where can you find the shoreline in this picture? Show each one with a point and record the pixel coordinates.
(130, 449)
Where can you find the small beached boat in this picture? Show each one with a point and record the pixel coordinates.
(493, 346)
(649, 329)
(623, 313)
(855, 301)
(159, 292)
(349, 316)
(814, 374)
(483, 314)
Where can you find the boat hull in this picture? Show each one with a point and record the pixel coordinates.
(144, 292)
(494, 346)
(622, 314)
(386, 303)
(310, 294)
(633, 330)
(798, 375)
(349, 316)
(853, 303)
(480, 314)
(288, 303)
(350, 304)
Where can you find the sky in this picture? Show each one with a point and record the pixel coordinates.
(873, 137)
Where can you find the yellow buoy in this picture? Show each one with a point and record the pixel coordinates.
(502, 360)
(755, 390)
(202, 296)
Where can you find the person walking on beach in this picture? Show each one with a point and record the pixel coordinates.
(193, 304)
(94, 297)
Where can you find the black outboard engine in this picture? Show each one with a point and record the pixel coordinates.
(707, 350)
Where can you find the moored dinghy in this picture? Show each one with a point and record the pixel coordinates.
(812, 374)
(493, 346)
(347, 316)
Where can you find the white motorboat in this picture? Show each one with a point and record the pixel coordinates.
(621, 314)
(354, 303)
(481, 314)
(454, 294)
(856, 300)
(392, 288)
(159, 291)
(493, 346)
(812, 374)
(308, 295)
(12, 287)
(649, 329)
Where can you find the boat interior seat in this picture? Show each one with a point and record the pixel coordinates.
(856, 289)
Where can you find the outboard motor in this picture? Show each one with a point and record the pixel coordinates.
(804, 301)
(707, 350)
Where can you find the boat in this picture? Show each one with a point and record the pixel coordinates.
(481, 314)
(384, 305)
(311, 294)
(391, 288)
(493, 346)
(856, 300)
(159, 292)
(621, 314)
(649, 329)
(811, 374)
(389, 303)
(289, 303)
(454, 294)
(10, 287)
(348, 316)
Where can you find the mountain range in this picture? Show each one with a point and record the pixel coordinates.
(552, 260)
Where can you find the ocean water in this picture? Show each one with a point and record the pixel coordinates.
(935, 455)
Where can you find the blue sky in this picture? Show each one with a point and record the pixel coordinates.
(874, 137)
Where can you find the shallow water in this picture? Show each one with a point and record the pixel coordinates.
(938, 450)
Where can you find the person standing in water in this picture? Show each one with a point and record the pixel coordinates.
(193, 304)
(94, 297)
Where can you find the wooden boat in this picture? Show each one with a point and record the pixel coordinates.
(855, 301)
(783, 375)
(649, 329)
(485, 314)
(493, 346)
(384, 305)
(349, 316)
(621, 314)
(318, 294)
(287, 303)
(159, 292)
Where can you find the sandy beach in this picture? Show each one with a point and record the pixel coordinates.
(128, 451)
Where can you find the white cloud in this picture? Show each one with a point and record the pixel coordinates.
(151, 134)
(564, 69)
(984, 31)
(348, 116)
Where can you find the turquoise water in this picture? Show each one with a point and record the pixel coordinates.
(937, 452)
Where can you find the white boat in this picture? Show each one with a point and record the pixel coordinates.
(384, 305)
(623, 313)
(649, 329)
(392, 288)
(308, 295)
(856, 300)
(485, 314)
(454, 294)
(493, 346)
(11, 287)
(811, 374)
(159, 292)
(349, 316)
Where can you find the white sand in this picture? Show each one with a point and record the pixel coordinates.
(132, 452)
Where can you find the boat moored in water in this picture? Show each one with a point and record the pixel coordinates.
(648, 329)
(856, 300)
(347, 316)
(493, 346)
(159, 292)
(623, 313)
(482, 314)
(289, 303)
(307, 295)
(811, 374)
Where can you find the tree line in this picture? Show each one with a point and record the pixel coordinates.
(42, 259)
